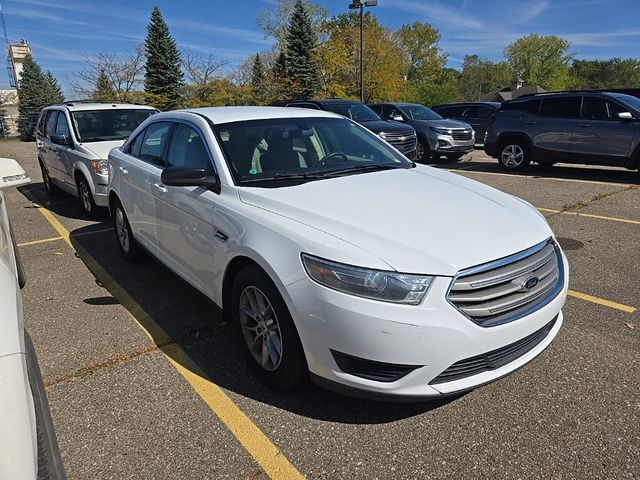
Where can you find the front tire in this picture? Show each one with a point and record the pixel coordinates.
(514, 155)
(129, 248)
(423, 153)
(266, 330)
(87, 202)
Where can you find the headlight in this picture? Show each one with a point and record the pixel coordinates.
(100, 166)
(375, 284)
(441, 131)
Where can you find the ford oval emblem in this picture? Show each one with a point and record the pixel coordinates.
(531, 282)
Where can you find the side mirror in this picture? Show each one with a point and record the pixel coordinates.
(626, 116)
(190, 177)
(398, 118)
(12, 174)
(61, 139)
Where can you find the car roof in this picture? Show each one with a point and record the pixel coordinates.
(79, 106)
(239, 114)
(463, 104)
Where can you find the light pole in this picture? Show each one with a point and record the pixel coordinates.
(360, 4)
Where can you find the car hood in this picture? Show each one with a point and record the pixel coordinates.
(419, 220)
(387, 126)
(443, 123)
(102, 149)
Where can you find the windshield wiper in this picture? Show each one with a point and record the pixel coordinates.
(359, 168)
(284, 176)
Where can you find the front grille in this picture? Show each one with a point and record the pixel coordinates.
(461, 135)
(404, 143)
(370, 369)
(510, 288)
(495, 358)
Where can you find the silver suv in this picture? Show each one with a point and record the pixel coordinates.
(74, 140)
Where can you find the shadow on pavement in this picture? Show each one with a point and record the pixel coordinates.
(563, 171)
(174, 313)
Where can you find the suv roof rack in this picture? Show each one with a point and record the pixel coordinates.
(628, 91)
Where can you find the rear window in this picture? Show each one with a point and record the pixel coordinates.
(561, 107)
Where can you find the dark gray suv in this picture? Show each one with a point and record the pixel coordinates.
(591, 127)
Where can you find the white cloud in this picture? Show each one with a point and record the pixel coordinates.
(455, 17)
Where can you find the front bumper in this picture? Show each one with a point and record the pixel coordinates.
(101, 189)
(446, 144)
(432, 337)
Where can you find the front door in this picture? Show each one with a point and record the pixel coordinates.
(186, 235)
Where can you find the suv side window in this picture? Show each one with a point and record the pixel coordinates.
(154, 143)
(470, 112)
(389, 111)
(49, 128)
(561, 107)
(594, 108)
(62, 126)
(450, 112)
(484, 112)
(528, 106)
(42, 122)
(615, 109)
(188, 149)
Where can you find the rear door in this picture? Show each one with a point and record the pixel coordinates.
(64, 153)
(146, 158)
(552, 130)
(601, 137)
(186, 235)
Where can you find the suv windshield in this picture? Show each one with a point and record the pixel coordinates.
(302, 149)
(354, 111)
(105, 125)
(419, 112)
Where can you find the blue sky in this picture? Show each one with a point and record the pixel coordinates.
(61, 32)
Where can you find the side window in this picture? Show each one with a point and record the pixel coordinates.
(188, 149)
(134, 147)
(530, 106)
(594, 108)
(49, 128)
(615, 109)
(454, 112)
(153, 145)
(62, 126)
(376, 108)
(484, 112)
(389, 111)
(42, 121)
(561, 107)
(470, 112)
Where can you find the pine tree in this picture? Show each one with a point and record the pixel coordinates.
(300, 51)
(33, 94)
(104, 91)
(163, 78)
(54, 91)
(281, 85)
(258, 81)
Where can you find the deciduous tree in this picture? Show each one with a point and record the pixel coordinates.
(104, 91)
(479, 77)
(613, 73)
(274, 21)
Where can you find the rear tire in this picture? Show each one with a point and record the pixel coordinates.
(129, 248)
(51, 188)
(266, 330)
(514, 155)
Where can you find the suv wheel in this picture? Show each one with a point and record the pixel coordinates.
(49, 186)
(422, 151)
(128, 246)
(267, 331)
(86, 200)
(514, 155)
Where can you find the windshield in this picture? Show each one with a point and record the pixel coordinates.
(420, 112)
(629, 100)
(105, 125)
(354, 111)
(302, 149)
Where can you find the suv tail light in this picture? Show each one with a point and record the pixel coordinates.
(491, 120)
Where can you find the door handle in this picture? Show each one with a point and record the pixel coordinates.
(583, 125)
(124, 170)
(160, 188)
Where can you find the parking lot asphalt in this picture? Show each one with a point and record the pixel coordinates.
(145, 381)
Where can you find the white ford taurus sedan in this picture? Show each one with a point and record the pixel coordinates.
(335, 256)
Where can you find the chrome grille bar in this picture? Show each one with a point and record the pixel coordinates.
(509, 288)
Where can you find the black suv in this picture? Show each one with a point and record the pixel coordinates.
(475, 114)
(402, 137)
(596, 128)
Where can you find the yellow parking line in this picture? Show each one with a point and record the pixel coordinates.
(590, 215)
(36, 242)
(601, 301)
(272, 461)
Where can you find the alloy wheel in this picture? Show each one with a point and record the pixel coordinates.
(121, 229)
(419, 152)
(85, 196)
(512, 156)
(260, 328)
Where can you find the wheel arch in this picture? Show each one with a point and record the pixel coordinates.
(510, 136)
(80, 168)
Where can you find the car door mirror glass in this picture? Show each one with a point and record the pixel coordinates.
(60, 139)
(626, 116)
